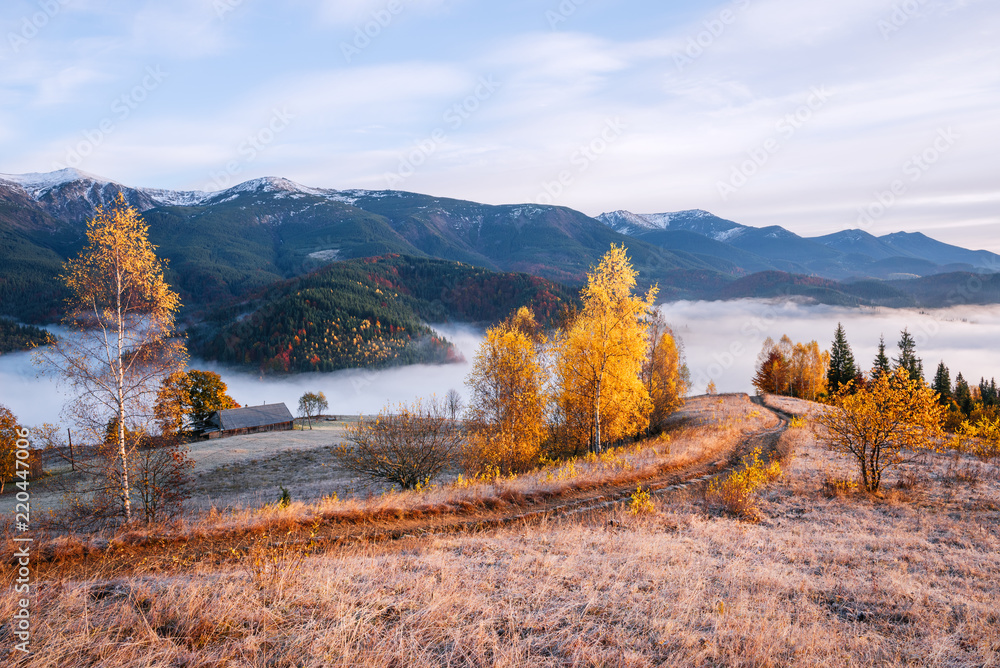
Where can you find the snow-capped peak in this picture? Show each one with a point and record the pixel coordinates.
(176, 197)
(270, 184)
(692, 220)
(622, 220)
(650, 221)
(281, 187)
(36, 183)
(663, 220)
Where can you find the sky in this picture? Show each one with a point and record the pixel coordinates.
(817, 116)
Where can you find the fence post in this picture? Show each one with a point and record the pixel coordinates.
(72, 462)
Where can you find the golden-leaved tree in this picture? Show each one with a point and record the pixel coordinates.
(792, 369)
(121, 346)
(8, 446)
(881, 422)
(599, 359)
(187, 400)
(663, 372)
(507, 414)
(809, 366)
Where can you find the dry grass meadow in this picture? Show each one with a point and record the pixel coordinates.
(826, 577)
(239, 471)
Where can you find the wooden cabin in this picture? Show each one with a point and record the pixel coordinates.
(250, 420)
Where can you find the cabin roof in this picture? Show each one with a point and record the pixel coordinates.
(254, 416)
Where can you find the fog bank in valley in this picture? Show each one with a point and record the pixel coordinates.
(721, 340)
(358, 391)
(350, 392)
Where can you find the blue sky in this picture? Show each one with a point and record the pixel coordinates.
(881, 114)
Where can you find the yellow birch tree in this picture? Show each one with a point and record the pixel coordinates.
(507, 413)
(599, 359)
(808, 367)
(663, 372)
(121, 312)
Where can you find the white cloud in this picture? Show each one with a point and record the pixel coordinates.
(687, 127)
(358, 12)
(67, 84)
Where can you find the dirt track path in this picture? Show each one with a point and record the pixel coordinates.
(171, 555)
(605, 496)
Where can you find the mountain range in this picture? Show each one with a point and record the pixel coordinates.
(224, 246)
(848, 254)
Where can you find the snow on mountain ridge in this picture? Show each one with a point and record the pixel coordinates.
(657, 220)
(623, 220)
(288, 188)
(176, 197)
(37, 183)
(696, 220)
(726, 235)
(663, 220)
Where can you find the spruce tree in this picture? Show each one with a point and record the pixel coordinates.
(908, 359)
(881, 364)
(942, 383)
(963, 395)
(988, 392)
(842, 366)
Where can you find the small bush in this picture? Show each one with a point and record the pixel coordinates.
(797, 422)
(737, 492)
(641, 502)
(980, 439)
(408, 447)
(835, 488)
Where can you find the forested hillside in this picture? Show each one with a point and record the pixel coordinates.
(368, 313)
(14, 337)
(233, 244)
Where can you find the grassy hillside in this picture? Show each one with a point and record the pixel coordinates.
(367, 313)
(827, 577)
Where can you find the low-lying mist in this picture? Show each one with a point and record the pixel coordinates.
(351, 392)
(721, 341)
